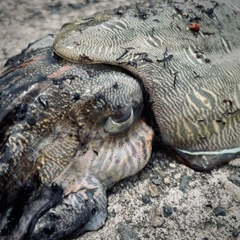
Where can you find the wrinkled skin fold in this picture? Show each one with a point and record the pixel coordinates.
(71, 121)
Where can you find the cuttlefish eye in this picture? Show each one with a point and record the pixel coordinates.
(112, 100)
(120, 122)
(125, 103)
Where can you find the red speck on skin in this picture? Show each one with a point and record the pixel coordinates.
(195, 27)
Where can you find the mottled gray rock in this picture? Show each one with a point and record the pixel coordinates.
(157, 218)
(235, 179)
(166, 180)
(167, 211)
(153, 190)
(235, 162)
(184, 182)
(155, 181)
(127, 233)
(233, 190)
(220, 211)
(146, 199)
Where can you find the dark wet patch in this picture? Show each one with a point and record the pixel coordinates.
(17, 207)
(21, 110)
(31, 121)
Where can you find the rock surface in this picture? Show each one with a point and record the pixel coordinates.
(203, 205)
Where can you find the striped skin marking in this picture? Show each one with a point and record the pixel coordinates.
(113, 158)
(66, 149)
(66, 144)
(208, 159)
(29, 62)
(190, 54)
(55, 153)
(189, 75)
(86, 207)
(226, 45)
(60, 72)
(225, 151)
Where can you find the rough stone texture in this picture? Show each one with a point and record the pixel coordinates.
(191, 196)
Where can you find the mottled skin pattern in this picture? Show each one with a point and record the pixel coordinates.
(58, 153)
(56, 157)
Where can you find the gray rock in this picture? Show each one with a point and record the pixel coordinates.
(235, 233)
(233, 190)
(220, 211)
(235, 162)
(126, 233)
(167, 211)
(184, 182)
(153, 190)
(146, 199)
(155, 181)
(235, 179)
(157, 218)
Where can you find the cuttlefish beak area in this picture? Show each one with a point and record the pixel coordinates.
(108, 159)
(72, 197)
